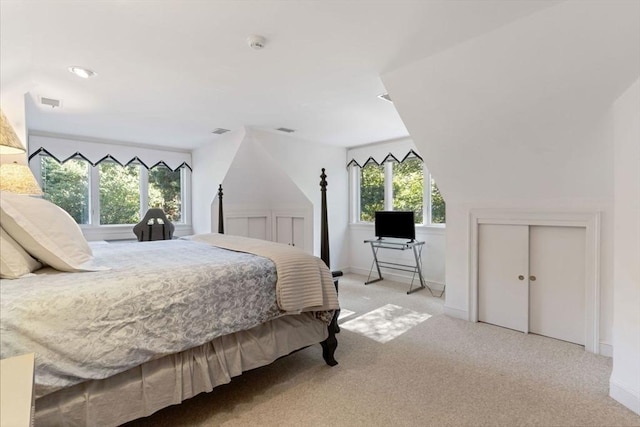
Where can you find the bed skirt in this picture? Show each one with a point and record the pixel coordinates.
(171, 379)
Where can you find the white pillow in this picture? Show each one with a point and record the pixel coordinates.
(14, 261)
(47, 232)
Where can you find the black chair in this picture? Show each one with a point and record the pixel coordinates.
(154, 226)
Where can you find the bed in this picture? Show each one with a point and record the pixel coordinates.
(121, 331)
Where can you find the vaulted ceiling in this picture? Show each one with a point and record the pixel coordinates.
(170, 72)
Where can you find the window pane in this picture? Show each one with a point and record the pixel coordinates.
(119, 193)
(164, 192)
(67, 185)
(437, 205)
(408, 187)
(371, 191)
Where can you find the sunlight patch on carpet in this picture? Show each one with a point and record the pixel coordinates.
(345, 313)
(385, 323)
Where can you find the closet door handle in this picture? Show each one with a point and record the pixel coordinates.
(532, 278)
(521, 277)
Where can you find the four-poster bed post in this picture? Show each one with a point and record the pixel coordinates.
(220, 213)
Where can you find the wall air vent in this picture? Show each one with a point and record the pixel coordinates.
(287, 130)
(219, 131)
(386, 97)
(50, 102)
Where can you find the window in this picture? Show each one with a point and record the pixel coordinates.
(67, 185)
(119, 193)
(405, 186)
(111, 194)
(165, 192)
(408, 187)
(437, 205)
(371, 191)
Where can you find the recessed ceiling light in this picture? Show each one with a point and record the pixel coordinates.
(85, 73)
(219, 131)
(286, 130)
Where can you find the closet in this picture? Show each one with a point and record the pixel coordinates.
(291, 226)
(531, 278)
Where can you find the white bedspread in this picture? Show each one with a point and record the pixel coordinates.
(158, 298)
(304, 282)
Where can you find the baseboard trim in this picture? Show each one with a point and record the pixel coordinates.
(606, 349)
(456, 312)
(626, 397)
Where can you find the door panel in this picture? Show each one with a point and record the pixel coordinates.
(258, 227)
(284, 230)
(557, 295)
(237, 226)
(298, 232)
(502, 258)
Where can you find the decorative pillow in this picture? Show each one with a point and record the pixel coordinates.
(14, 261)
(46, 232)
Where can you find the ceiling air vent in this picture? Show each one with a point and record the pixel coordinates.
(219, 131)
(386, 97)
(287, 130)
(50, 102)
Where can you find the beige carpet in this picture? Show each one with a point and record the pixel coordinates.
(438, 372)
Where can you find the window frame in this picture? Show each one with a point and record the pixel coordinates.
(355, 185)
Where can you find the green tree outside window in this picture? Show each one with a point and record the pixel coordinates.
(371, 191)
(165, 192)
(67, 185)
(408, 181)
(438, 214)
(119, 193)
(408, 187)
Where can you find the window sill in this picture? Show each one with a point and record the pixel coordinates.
(420, 229)
(124, 232)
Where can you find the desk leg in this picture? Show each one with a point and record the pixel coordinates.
(416, 255)
(375, 261)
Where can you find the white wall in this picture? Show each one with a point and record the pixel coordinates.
(303, 161)
(299, 160)
(519, 118)
(625, 378)
(210, 165)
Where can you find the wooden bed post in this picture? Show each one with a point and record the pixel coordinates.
(324, 222)
(331, 343)
(220, 216)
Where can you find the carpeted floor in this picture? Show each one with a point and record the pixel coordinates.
(410, 365)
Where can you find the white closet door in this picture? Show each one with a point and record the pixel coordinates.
(503, 261)
(284, 230)
(557, 295)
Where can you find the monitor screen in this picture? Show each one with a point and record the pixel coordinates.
(398, 224)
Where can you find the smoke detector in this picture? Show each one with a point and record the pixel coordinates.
(256, 42)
